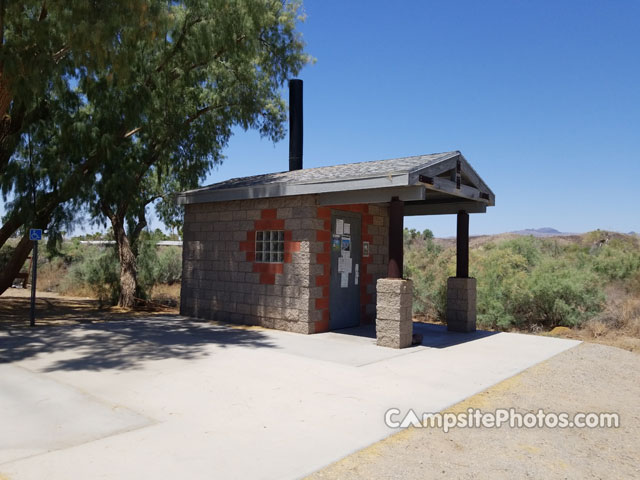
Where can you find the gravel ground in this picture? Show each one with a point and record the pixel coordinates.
(587, 378)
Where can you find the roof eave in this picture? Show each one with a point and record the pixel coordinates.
(288, 189)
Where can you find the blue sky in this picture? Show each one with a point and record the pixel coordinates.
(542, 97)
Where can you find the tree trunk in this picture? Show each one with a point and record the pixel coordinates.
(13, 267)
(128, 268)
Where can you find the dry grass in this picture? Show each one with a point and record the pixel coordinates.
(55, 309)
(618, 325)
(166, 295)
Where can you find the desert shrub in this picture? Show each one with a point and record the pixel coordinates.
(559, 293)
(528, 248)
(147, 263)
(169, 265)
(501, 275)
(616, 263)
(95, 269)
(428, 266)
(51, 273)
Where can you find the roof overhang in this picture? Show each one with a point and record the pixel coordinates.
(446, 186)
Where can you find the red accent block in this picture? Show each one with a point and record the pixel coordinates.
(268, 267)
(291, 246)
(323, 258)
(288, 235)
(322, 326)
(251, 256)
(322, 280)
(267, 278)
(325, 291)
(367, 219)
(322, 303)
(269, 213)
(324, 212)
(269, 224)
(323, 235)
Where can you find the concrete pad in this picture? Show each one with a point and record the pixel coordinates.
(41, 415)
(245, 403)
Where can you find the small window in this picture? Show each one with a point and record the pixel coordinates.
(270, 246)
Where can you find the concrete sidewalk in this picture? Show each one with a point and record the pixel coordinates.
(174, 398)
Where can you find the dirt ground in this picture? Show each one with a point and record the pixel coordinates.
(587, 378)
(54, 309)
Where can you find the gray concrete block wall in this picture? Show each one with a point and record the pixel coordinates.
(379, 253)
(220, 283)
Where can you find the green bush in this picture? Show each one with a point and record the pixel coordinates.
(96, 269)
(558, 293)
(501, 275)
(524, 283)
(157, 266)
(428, 266)
(615, 263)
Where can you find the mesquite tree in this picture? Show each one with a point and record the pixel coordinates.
(136, 137)
(43, 46)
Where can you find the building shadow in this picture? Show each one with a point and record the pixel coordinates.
(124, 344)
(433, 335)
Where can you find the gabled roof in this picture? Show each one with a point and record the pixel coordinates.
(436, 179)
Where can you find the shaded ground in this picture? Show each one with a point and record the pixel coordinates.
(55, 309)
(588, 378)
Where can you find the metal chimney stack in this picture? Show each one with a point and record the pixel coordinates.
(295, 124)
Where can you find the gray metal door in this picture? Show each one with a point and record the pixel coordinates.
(344, 286)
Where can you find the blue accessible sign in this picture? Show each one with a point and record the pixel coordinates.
(35, 234)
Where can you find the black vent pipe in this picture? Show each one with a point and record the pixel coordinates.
(295, 124)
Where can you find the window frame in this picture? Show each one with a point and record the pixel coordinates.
(276, 255)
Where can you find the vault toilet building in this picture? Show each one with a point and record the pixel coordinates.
(312, 250)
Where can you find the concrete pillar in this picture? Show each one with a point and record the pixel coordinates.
(461, 304)
(394, 322)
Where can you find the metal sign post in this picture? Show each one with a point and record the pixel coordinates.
(35, 235)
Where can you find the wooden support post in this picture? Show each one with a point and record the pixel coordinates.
(462, 245)
(396, 235)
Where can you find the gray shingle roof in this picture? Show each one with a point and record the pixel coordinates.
(347, 171)
(407, 178)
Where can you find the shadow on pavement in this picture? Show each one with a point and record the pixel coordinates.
(124, 344)
(433, 335)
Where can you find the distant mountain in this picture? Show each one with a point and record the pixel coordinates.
(540, 232)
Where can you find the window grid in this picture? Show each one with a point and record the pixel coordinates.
(270, 246)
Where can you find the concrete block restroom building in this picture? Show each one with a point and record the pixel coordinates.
(308, 250)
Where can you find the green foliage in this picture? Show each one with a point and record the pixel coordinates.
(96, 270)
(559, 293)
(527, 282)
(501, 280)
(616, 262)
(5, 254)
(157, 265)
(138, 105)
(427, 266)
